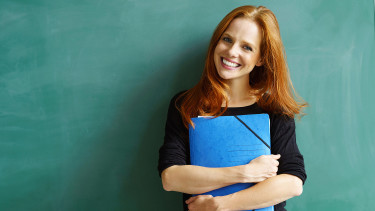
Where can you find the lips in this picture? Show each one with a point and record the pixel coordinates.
(229, 64)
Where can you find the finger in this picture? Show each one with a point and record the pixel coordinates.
(203, 197)
(276, 156)
(275, 169)
(269, 175)
(191, 199)
(261, 157)
(260, 179)
(276, 163)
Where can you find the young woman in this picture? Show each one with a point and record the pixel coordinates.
(245, 73)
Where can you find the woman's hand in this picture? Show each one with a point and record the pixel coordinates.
(203, 203)
(261, 168)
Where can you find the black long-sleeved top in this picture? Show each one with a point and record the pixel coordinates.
(176, 151)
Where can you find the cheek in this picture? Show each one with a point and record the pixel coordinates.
(219, 51)
(216, 51)
(251, 60)
(220, 47)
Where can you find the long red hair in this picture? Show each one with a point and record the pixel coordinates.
(270, 82)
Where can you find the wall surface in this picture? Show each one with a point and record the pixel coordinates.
(85, 87)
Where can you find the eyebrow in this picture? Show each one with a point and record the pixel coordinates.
(246, 42)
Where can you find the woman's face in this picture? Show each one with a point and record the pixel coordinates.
(238, 50)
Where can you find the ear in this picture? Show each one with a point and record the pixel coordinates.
(259, 63)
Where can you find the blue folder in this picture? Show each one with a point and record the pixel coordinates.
(229, 141)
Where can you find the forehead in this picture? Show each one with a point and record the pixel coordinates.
(245, 29)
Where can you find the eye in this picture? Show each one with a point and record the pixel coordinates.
(248, 48)
(227, 39)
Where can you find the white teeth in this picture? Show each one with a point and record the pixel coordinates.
(230, 64)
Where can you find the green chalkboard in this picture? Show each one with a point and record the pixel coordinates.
(85, 87)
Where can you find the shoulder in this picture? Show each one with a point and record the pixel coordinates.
(176, 100)
(178, 94)
(175, 103)
(277, 119)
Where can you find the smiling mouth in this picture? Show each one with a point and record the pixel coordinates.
(229, 64)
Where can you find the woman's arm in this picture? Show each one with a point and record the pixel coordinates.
(196, 179)
(264, 194)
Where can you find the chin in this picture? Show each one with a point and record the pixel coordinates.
(225, 76)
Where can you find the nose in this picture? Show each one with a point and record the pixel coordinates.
(233, 51)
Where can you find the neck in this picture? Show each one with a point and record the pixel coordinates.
(239, 94)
